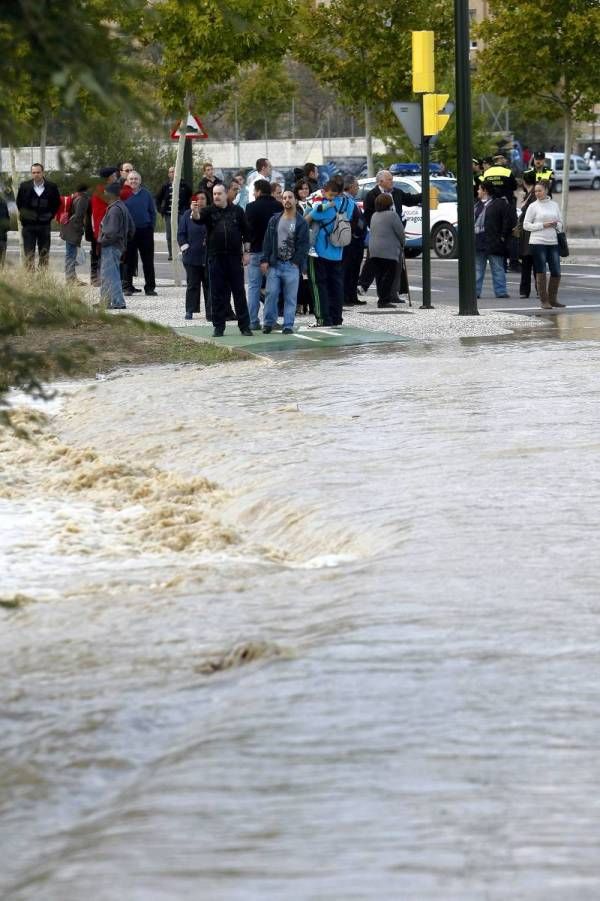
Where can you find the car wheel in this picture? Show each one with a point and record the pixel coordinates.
(596, 184)
(444, 241)
(411, 252)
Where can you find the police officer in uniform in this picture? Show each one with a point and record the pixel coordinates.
(502, 179)
(542, 172)
(505, 184)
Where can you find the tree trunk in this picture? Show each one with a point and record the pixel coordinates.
(175, 200)
(369, 141)
(567, 168)
(15, 187)
(43, 136)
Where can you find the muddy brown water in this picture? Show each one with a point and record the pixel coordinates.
(297, 630)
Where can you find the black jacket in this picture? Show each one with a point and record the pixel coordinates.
(499, 222)
(258, 214)
(164, 198)
(4, 220)
(399, 197)
(227, 229)
(204, 186)
(36, 210)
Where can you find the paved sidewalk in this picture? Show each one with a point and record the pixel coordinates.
(440, 324)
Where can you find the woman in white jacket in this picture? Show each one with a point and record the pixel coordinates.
(542, 220)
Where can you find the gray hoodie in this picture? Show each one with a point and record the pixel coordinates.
(117, 227)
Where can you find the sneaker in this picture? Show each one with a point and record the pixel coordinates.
(136, 290)
(218, 332)
(502, 296)
(246, 332)
(151, 294)
(188, 316)
(287, 331)
(267, 329)
(362, 291)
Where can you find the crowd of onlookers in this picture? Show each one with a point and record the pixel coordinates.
(288, 251)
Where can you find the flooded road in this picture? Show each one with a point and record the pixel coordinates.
(309, 629)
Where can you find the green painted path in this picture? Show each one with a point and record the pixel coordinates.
(303, 339)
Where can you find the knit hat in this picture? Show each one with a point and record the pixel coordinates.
(107, 171)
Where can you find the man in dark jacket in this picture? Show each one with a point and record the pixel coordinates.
(164, 200)
(38, 201)
(4, 227)
(227, 231)
(116, 230)
(493, 226)
(385, 185)
(209, 180)
(258, 214)
(284, 253)
(72, 231)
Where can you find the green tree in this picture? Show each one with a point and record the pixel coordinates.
(59, 51)
(199, 46)
(364, 52)
(551, 66)
(261, 94)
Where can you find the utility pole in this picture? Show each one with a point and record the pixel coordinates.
(467, 300)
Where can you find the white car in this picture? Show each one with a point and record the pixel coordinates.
(581, 174)
(444, 220)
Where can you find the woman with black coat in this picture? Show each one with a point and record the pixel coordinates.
(191, 238)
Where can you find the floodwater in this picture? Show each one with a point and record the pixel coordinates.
(325, 628)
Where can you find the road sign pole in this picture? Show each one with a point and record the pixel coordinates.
(467, 300)
(425, 218)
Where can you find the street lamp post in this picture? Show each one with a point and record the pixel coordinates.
(467, 300)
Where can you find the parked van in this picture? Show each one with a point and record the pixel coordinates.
(581, 174)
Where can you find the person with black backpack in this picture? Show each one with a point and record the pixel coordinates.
(331, 231)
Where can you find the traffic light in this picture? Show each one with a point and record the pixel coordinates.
(423, 65)
(434, 120)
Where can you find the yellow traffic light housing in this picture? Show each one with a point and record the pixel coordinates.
(434, 120)
(423, 64)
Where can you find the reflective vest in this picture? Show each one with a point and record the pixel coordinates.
(502, 179)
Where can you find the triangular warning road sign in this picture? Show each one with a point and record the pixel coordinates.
(193, 126)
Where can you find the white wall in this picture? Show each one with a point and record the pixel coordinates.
(280, 152)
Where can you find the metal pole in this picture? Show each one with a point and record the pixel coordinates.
(467, 300)
(425, 218)
(237, 134)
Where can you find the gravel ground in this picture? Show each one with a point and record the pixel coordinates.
(440, 324)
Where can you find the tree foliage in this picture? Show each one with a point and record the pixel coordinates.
(199, 46)
(365, 51)
(52, 52)
(550, 51)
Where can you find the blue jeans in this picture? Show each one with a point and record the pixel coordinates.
(498, 273)
(70, 261)
(286, 276)
(254, 283)
(111, 289)
(545, 253)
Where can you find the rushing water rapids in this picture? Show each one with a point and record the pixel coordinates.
(317, 629)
